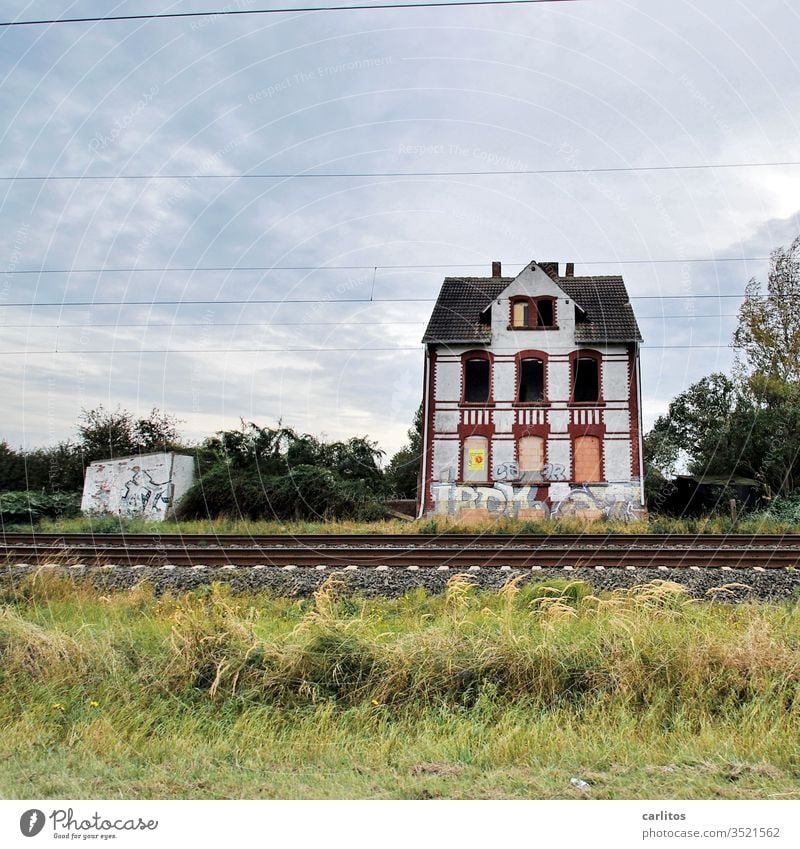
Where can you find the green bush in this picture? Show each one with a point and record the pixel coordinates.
(29, 507)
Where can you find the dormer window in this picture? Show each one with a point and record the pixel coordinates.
(544, 312)
(533, 313)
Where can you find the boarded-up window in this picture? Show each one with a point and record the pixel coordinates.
(587, 459)
(544, 313)
(476, 461)
(476, 381)
(585, 380)
(519, 314)
(531, 380)
(531, 454)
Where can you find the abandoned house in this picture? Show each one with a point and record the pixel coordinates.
(531, 397)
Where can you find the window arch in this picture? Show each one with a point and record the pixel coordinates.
(530, 377)
(586, 378)
(476, 379)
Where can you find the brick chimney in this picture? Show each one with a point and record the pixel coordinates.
(570, 272)
(497, 269)
(550, 269)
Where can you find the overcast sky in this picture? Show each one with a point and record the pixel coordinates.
(588, 84)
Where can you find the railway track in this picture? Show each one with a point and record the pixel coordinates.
(451, 551)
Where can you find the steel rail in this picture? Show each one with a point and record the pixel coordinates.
(316, 541)
(454, 557)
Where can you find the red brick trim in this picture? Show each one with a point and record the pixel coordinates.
(588, 353)
(531, 354)
(480, 354)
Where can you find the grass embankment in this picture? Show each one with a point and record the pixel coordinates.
(642, 693)
(753, 524)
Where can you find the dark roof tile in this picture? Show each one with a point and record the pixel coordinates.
(604, 300)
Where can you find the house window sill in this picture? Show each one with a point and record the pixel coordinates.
(512, 327)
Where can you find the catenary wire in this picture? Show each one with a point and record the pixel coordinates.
(367, 174)
(238, 268)
(219, 13)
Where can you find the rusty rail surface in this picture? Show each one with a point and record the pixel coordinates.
(455, 551)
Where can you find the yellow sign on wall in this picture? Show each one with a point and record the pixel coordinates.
(476, 460)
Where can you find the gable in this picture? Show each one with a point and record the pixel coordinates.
(608, 315)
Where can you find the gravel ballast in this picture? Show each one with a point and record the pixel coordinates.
(739, 584)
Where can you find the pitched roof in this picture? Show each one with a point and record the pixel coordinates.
(604, 300)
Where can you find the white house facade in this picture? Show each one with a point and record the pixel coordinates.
(531, 403)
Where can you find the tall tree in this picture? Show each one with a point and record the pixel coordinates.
(767, 339)
(403, 468)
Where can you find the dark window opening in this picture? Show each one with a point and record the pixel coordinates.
(587, 386)
(544, 313)
(531, 380)
(476, 381)
(580, 316)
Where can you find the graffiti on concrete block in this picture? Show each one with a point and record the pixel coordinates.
(144, 495)
(145, 486)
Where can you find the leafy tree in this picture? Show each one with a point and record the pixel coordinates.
(262, 472)
(748, 426)
(767, 338)
(695, 428)
(402, 473)
(105, 434)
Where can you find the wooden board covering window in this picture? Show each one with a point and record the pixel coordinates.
(587, 459)
(531, 454)
(520, 314)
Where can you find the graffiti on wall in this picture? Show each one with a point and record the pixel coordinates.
(144, 495)
(144, 486)
(503, 499)
(550, 472)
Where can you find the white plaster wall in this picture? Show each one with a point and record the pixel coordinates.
(145, 485)
(618, 459)
(446, 421)
(617, 420)
(615, 380)
(448, 381)
(559, 420)
(502, 452)
(445, 459)
(558, 387)
(504, 388)
(504, 421)
(558, 454)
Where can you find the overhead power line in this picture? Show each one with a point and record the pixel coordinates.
(417, 348)
(257, 301)
(220, 13)
(240, 268)
(297, 175)
(210, 325)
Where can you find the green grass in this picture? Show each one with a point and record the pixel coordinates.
(755, 523)
(643, 693)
